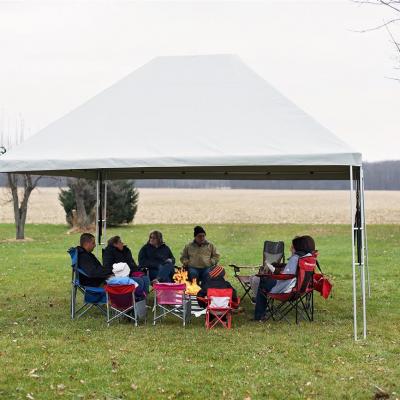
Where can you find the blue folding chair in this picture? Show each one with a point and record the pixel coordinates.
(92, 296)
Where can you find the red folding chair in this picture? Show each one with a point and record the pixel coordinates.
(219, 308)
(170, 298)
(300, 299)
(121, 302)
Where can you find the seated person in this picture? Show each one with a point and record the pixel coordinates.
(117, 252)
(301, 246)
(158, 258)
(91, 266)
(216, 280)
(199, 256)
(121, 275)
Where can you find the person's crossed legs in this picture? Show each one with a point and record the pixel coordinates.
(261, 300)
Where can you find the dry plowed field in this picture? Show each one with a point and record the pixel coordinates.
(176, 206)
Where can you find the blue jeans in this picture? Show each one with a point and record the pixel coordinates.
(163, 273)
(201, 274)
(261, 300)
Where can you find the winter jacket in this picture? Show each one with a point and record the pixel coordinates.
(124, 280)
(151, 256)
(286, 286)
(216, 283)
(200, 256)
(112, 255)
(91, 266)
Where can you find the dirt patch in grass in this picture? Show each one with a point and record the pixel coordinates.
(13, 240)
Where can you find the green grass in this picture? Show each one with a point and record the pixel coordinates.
(86, 359)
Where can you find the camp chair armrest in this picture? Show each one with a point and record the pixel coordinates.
(204, 299)
(245, 266)
(283, 277)
(278, 277)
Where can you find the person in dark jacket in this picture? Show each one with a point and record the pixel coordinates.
(158, 258)
(216, 280)
(117, 252)
(89, 264)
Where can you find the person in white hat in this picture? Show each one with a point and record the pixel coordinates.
(121, 273)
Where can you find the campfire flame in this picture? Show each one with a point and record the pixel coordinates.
(181, 276)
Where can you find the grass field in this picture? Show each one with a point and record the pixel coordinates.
(45, 355)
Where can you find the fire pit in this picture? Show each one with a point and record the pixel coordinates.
(192, 288)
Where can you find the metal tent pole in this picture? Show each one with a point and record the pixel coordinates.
(365, 229)
(105, 210)
(364, 303)
(99, 219)
(353, 254)
(97, 211)
(357, 221)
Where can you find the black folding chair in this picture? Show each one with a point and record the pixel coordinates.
(273, 252)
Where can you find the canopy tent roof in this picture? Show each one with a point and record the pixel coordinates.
(205, 117)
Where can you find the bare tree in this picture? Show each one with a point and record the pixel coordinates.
(394, 6)
(25, 181)
(21, 207)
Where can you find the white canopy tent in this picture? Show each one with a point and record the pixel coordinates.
(195, 117)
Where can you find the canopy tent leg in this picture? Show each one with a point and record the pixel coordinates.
(105, 210)
(97, 213)
(365, 230)
(99, 209)
(353, 255)
(363, 242)
(358, 243)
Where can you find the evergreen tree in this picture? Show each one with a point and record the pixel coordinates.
(79, 202)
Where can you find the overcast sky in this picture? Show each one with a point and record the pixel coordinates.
(55, 55)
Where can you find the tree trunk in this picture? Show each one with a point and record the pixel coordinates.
(82, 218)
(21, 210)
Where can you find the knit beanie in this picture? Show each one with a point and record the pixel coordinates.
(216, 272)
(121, 269)
(198, 229)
